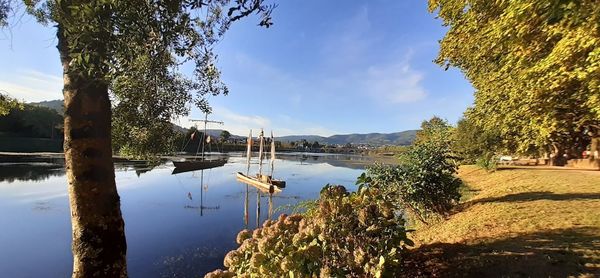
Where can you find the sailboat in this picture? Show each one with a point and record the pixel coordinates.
(263, 182)
(199, 163)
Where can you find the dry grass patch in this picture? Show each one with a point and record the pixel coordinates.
(517, 222)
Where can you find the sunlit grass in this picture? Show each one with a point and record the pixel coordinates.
(548, 218)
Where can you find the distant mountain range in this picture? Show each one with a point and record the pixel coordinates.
(56, 105)
(377, 139)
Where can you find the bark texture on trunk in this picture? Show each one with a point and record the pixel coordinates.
(595, 147)
(558, 158)
(99, 246)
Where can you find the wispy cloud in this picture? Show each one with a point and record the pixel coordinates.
(240, 124)
(235, 123)
(294, 126)
(395, 83)
(248, 121)
(351, 69)
(32, 86)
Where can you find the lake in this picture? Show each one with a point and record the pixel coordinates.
(176, 225)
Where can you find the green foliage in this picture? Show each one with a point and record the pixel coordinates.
(305, 207)
(31, 121)
(7, 103)
(391, 149)
(434, 129)
(487, 161)
(5, 9)
(471, 142)
(224, 136)
(348, 235)
(145, 102)
(535, 66)
(136, 48)
(424, 183)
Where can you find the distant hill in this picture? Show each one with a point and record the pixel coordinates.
(56, 105)
(378, 139)
(309, 138)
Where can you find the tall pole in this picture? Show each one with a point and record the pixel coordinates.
(205, 122)
(246, 201)
(257, 208)
(272, 154)
(260, 152)
(270, 205)
(249, 153)
(201, 189)
(204, 135)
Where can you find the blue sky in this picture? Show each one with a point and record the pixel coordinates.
(325, 67)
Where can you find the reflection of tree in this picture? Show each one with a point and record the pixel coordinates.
(29, 172)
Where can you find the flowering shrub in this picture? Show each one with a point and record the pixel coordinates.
(349, 234)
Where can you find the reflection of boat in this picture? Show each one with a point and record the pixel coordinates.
(264, 182)
(202, 188)
(199, 163)
(258, 207)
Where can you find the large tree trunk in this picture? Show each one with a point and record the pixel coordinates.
(99, 247)
(557, 158)
(595, 148)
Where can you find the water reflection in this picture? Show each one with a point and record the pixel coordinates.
(139, 167)
(339, 160)
(11, 172)
(259, 195)
(203, 188)
(176, 225)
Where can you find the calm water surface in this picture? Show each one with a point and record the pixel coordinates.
(176, 225)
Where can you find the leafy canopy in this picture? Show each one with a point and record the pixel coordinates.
(424, 182)
(434, 129)
(470, 142)
(31, 121)
(138, 48)
(7, 104)
(535, 66)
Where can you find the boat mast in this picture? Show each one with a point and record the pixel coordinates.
(246, 200)
(201, 189)
(249, 153)
(272, 153)
(204, 135)
(257, 208)
(260, 152)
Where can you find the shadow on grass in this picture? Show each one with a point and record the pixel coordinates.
(539, 195)
(545, 168)
(553, 253)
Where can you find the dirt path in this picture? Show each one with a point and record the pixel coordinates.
(516, 223)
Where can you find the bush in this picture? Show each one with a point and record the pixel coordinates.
(424, 183)
(348, 235)
(473, 143)
(488, 162)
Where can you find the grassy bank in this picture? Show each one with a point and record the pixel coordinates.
(531, 222)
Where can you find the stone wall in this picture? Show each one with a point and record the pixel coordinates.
(584, 163)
